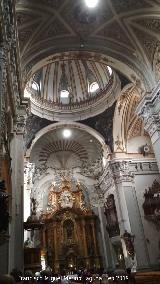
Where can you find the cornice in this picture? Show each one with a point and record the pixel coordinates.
(148, 102)
(149, 110)
(118, 171)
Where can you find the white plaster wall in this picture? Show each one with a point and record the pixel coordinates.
(151, 234)
(156, 147)
(134, 144)
(16, 226)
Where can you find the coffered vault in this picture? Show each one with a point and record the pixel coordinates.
(126, 31)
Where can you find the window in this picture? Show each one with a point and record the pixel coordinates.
(93, 87)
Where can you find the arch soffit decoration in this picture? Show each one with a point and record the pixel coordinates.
(68, 124)
(41, 25)
(133, 73)
(126, 123)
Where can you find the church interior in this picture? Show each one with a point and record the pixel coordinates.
(80, 135)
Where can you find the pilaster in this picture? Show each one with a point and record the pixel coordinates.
(16, 228)
(149, 111)
(128, 212)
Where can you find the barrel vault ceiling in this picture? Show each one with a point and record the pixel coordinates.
(125, 29)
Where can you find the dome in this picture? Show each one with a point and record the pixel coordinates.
(72, 88)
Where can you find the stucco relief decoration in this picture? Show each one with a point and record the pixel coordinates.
(122, 171)
(135, 129)
(52, 200)
(29, 169)
(92, 169)
(156, 63)
(20, 124)
(129, 243)
(96, 198)
(106, 181)
(119, 145)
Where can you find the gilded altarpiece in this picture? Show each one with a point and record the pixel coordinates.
(69, 234)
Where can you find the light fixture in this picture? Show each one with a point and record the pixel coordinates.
(64, 94)
(91, 3)
(26, 93)
(34, 86)
(109, 70)
(66, 133)
(93, 87)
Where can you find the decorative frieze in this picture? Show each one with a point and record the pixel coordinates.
(20, 121)
(121, 171)
(9, 35)
(149, 111)
(118, 171)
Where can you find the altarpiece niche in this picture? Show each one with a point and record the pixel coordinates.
(69, 232)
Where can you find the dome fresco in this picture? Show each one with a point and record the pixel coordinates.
(75, 84)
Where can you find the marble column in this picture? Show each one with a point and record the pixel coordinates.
(128, 214)
(149, 111)
(16, 226)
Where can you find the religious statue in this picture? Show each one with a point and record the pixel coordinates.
(66, 199)
(129, 240)
(28, 243)
(51, 200)
(33, 208)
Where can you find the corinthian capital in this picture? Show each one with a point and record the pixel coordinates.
(149, 111)
(152, 125)
(121, 171)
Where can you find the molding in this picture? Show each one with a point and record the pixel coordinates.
(149, 110)
(80, 111)
(119, 171)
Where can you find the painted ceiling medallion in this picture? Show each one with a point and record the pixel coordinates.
(73, 88)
